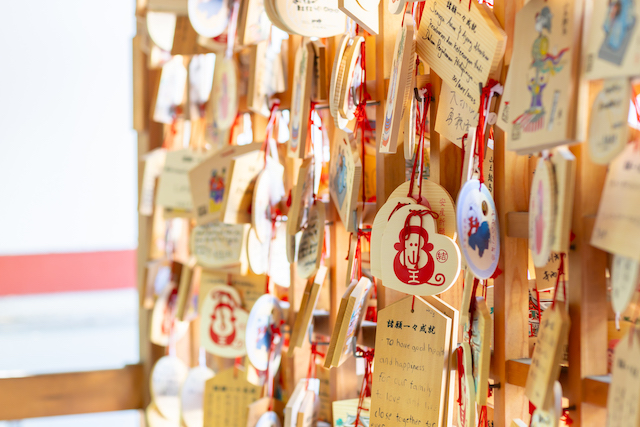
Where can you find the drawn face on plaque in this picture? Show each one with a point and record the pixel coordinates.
(416, 259)
(208, 17)
(264, 346)
(477, 225)
(223, 322)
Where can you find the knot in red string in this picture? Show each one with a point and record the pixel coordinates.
(566, 417)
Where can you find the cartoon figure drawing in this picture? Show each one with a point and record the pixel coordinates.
(264, 334)
(216, 190)
(618, 25)
(210, 7)
(413, 263)
(223, 320)
(339, 181)
(544, 65)
(479, 233)
(539, 228)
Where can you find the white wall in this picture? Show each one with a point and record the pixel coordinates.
(67, 151)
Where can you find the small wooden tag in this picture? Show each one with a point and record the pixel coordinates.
(549, 351)
(411, 360)
(192, 395)
(345, 174)
(312, 242)
(542, 213)
(300, 101)
(623, 402)
(455, 115)
(295, 401)
(301, 197)
(616, 230)
(167, 377)
(564, 170)
(481, 331)
(220, 246)
(227, 397)
(308, 304)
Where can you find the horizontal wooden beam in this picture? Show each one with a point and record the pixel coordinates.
(595, 390)
(518, 370)
(71, 393)
(518, 225)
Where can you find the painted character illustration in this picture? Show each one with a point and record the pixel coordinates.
(479, 233)
(539, 227)
(544, 65)
(340, 179)
(618, 25)
(223, 320)
(216, 190)
(413, 263)
(264, 337)
(210, 8)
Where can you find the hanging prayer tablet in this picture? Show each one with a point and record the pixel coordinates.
(350, 78)
(462, 44)
(223, 102)
(616, 229)
(435, 197)
(624, 282)
(399, 86)
(623, 402)
(409, 120)
(466, 388)
(610, 46)
(345, 412)
(547, 355)
(480, 337)
(253, 22)
(223, 322)
(411, 361)
(543, 65)
(335, 84)
(416, 259)
(478, 230)
(363, 12)
(209, 17)
(210, 179)
(161, 27)
(564, 173)
(243, 171)
(300, 101)
(164, 326)
(345, 174)
(455, 115)
(297, 396)
(220, 246)
(350, 315)
(542, 213)
(305, 313)
(192, 394)
(171, 91)
(312, 20)
(608, 129)
(264, 339)
(173, 184)
(155, 419)
(167, 377)
(227, 397)
(301, 197)
(379, 225)
(312, 242)
(269, 419)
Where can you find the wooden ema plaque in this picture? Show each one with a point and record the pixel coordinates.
(173, 184)
(220, 246)
(209, 182)
(399, 86)
(222, 107)
(547, 355)
(223, 322)
(167, 377)
(623, 403)
(564, 168)
(463, 46)
(335, 84)
(455, 115)
(466, 391)
(243, 171)
(345, 412)
(192, 396)
(295, 402)
(617, 227)
(608, 129)
(610, 39)
(345, 174)
(227, 397)
(308, 304)
(364, 12)
(481, 331)
(301, 197)
(350, 313)
(300, 101)
(543, 65)
(624, 282)
(542, 213)
(312, 242)
(416, 259)
(411, 360)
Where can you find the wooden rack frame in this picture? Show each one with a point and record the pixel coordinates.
(584, 381)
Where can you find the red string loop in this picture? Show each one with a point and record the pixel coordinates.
(365, 390)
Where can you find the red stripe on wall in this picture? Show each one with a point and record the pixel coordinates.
(82, 271)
